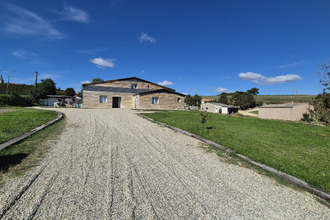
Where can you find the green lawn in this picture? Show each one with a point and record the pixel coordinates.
(301, 150)
(16, 121)
(16, 159)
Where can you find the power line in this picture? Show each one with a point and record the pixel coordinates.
(17, 71)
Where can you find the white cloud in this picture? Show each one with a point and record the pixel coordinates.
(260, 79)
(103, 63)
(221, 90)
(165, 83)
(146, 38)
(194, 90)
(291, 65)
(25, 22)
(22, 54)
(91, 51)
(84, 82)
(255, 77)
(54, 76)
(74, 14)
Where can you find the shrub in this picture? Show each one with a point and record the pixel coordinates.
(306, 117)
(321, 111)
(203, 115)
(15, 100)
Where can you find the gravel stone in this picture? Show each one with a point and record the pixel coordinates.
(112, 164)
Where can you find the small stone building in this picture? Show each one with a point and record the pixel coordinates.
(289, 112)
(131, 92)
(215, 107)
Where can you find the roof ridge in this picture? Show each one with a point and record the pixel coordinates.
(134, 77)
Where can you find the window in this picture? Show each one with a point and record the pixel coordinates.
(179, 100)
(134, 86)
(155, 100)
(103, 99)
(206, 108)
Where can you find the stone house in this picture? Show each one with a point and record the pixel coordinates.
(131, 92)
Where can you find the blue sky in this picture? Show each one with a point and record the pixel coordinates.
(204, 47)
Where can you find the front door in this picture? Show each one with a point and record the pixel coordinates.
(116, 102)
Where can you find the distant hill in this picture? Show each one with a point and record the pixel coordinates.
(20, 89)
(275, 99)
(278, 99)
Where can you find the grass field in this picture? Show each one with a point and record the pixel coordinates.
(276, 99)
(16, 121)
(17, 159)
(301, 150)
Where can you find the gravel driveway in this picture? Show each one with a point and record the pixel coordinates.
(112, 164)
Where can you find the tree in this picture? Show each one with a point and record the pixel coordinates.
(69, 92)
(321, 111)
(243, 99)
(80, 94)
(324, 75)
(204, 115)
(97, 80)
(193, 100)
(197, 100)
(188, 100)
(253, 91)
(47, 87)
(223, 98)
(35, 95)
(321, 103)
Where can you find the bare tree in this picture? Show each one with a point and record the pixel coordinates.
(324, 75)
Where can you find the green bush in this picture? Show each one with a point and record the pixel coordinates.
(306, 117)
(15, 100)
(20, 89)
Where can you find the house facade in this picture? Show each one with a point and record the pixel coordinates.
(131, 92)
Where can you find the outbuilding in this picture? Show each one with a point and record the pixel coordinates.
(215, 107)
(51, 99)
(288, 112)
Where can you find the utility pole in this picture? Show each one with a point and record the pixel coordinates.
(7, 85)
(36, 79)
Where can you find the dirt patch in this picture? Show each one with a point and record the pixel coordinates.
(7, 110)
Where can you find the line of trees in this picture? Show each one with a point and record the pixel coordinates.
(195, 100)
(242, 99)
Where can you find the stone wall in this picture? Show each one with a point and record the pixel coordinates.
(92, 99)
(127, 84)
(129, 99)
(166, 101)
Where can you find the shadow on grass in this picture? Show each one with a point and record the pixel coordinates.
(10, 160)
